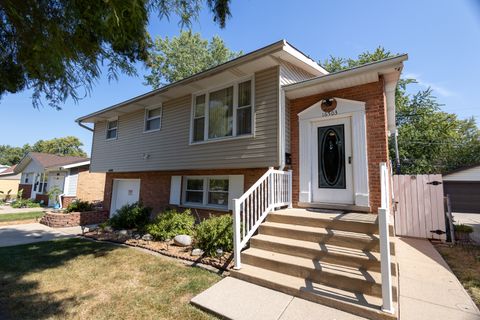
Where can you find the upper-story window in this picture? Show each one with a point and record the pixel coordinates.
(153, 119)
(112, 126)
(223, 113)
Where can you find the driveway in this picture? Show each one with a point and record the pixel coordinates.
(13, 235)
(472, 219)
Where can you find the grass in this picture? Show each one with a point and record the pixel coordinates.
(464, 260)
(79, 279)
(5, 217)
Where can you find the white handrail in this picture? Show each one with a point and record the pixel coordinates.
(272, 190)
(383, 228)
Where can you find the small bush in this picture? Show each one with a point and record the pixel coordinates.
(131, 216)
(80, 206)
(171, 223)
(463, 228)
(215, 233)
(25, 203)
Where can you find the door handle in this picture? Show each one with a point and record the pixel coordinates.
(350, 160)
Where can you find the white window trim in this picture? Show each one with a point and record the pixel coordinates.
(205, 191)
(145, 118)
(234, 114)
(106, 128)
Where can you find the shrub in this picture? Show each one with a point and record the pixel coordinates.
(171, 223)
(131, 216)
(215, 233)
(25, 203)
(80, 206)
(463, 228)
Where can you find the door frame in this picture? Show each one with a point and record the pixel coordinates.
(113, 199)
(332, 193)
(355, 110)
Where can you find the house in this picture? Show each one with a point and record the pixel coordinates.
(9, 180)
(270, 129)
(463, 186)
(42, 171)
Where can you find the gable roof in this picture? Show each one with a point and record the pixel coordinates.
(9, 170)
(47, 160)
(263, 58)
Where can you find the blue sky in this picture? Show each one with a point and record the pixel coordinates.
(441, 37)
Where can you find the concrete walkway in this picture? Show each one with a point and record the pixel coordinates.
(240, 300)
(8, 209)
(428, 288)
(12, 235)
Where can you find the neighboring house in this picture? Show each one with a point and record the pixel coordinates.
(463, 186)
(9, 181)
(210, 142)
(41, 171)
(3, 167)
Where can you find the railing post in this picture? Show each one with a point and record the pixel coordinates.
(236, 235)
(290, 189)
(385, 261)
(271, 187)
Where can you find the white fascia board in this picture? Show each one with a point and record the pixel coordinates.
(74, 165)
(307, 63)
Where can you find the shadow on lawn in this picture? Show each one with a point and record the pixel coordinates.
(19, 298)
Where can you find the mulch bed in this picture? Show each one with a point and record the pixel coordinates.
(166, 248)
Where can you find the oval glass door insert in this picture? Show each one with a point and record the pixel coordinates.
(331, 157)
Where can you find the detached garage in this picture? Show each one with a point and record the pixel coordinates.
(463, 186)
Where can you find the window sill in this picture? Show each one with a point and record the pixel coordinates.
(244, 136)
(150, 131)
(111, 139)
(213, 208)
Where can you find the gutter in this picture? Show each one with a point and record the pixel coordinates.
(79, 122)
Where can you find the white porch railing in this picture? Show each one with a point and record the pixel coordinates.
(272, 190)
(383, 224)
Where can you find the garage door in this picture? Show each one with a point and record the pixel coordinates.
(125, 191)
(464, 196)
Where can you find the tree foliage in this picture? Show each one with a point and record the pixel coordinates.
(429, 139)
(67, 146)
(177, 58)
(56, 47)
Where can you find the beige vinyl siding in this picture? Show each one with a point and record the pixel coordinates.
(292, 74)
(170, 149)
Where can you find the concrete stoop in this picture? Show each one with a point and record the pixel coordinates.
(328, 258)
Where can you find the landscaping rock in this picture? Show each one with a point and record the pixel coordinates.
(197, 252)
(182, 240)
(123, 233)
(108, 229)
(147, 237)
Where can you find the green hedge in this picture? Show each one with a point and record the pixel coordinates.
(80, 206)
(131, 216)
(215, 233)
(170, 223)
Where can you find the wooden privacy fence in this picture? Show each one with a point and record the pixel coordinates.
(419, 206)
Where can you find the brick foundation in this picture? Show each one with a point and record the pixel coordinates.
(27, 190)
(155, 186)
(67, 200)
(377, 141)
(72, 219)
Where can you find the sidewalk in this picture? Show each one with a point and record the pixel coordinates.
(12, 235)
(428, 288)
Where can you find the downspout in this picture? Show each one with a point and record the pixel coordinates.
(281, 126)
(390, 84)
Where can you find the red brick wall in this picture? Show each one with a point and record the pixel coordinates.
(40, 197)
(377, 141)
(155, 186)
(61, 220)
(66, 200)
(27, 190)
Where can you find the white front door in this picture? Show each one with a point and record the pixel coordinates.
(332, 180)
(124, 191)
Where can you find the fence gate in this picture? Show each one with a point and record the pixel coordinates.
(419, 210)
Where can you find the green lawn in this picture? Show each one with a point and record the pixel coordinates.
(4, 217)
(80, 279)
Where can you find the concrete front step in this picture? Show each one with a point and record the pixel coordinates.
(322, 252)
(353, 302)
(353, 222)
(334, 275)
(346, 239)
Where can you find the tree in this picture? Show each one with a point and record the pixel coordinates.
(56, 47)
(429, 140)
(67, 146)
(174, 59)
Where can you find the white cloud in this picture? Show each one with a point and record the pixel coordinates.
(426, 84)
